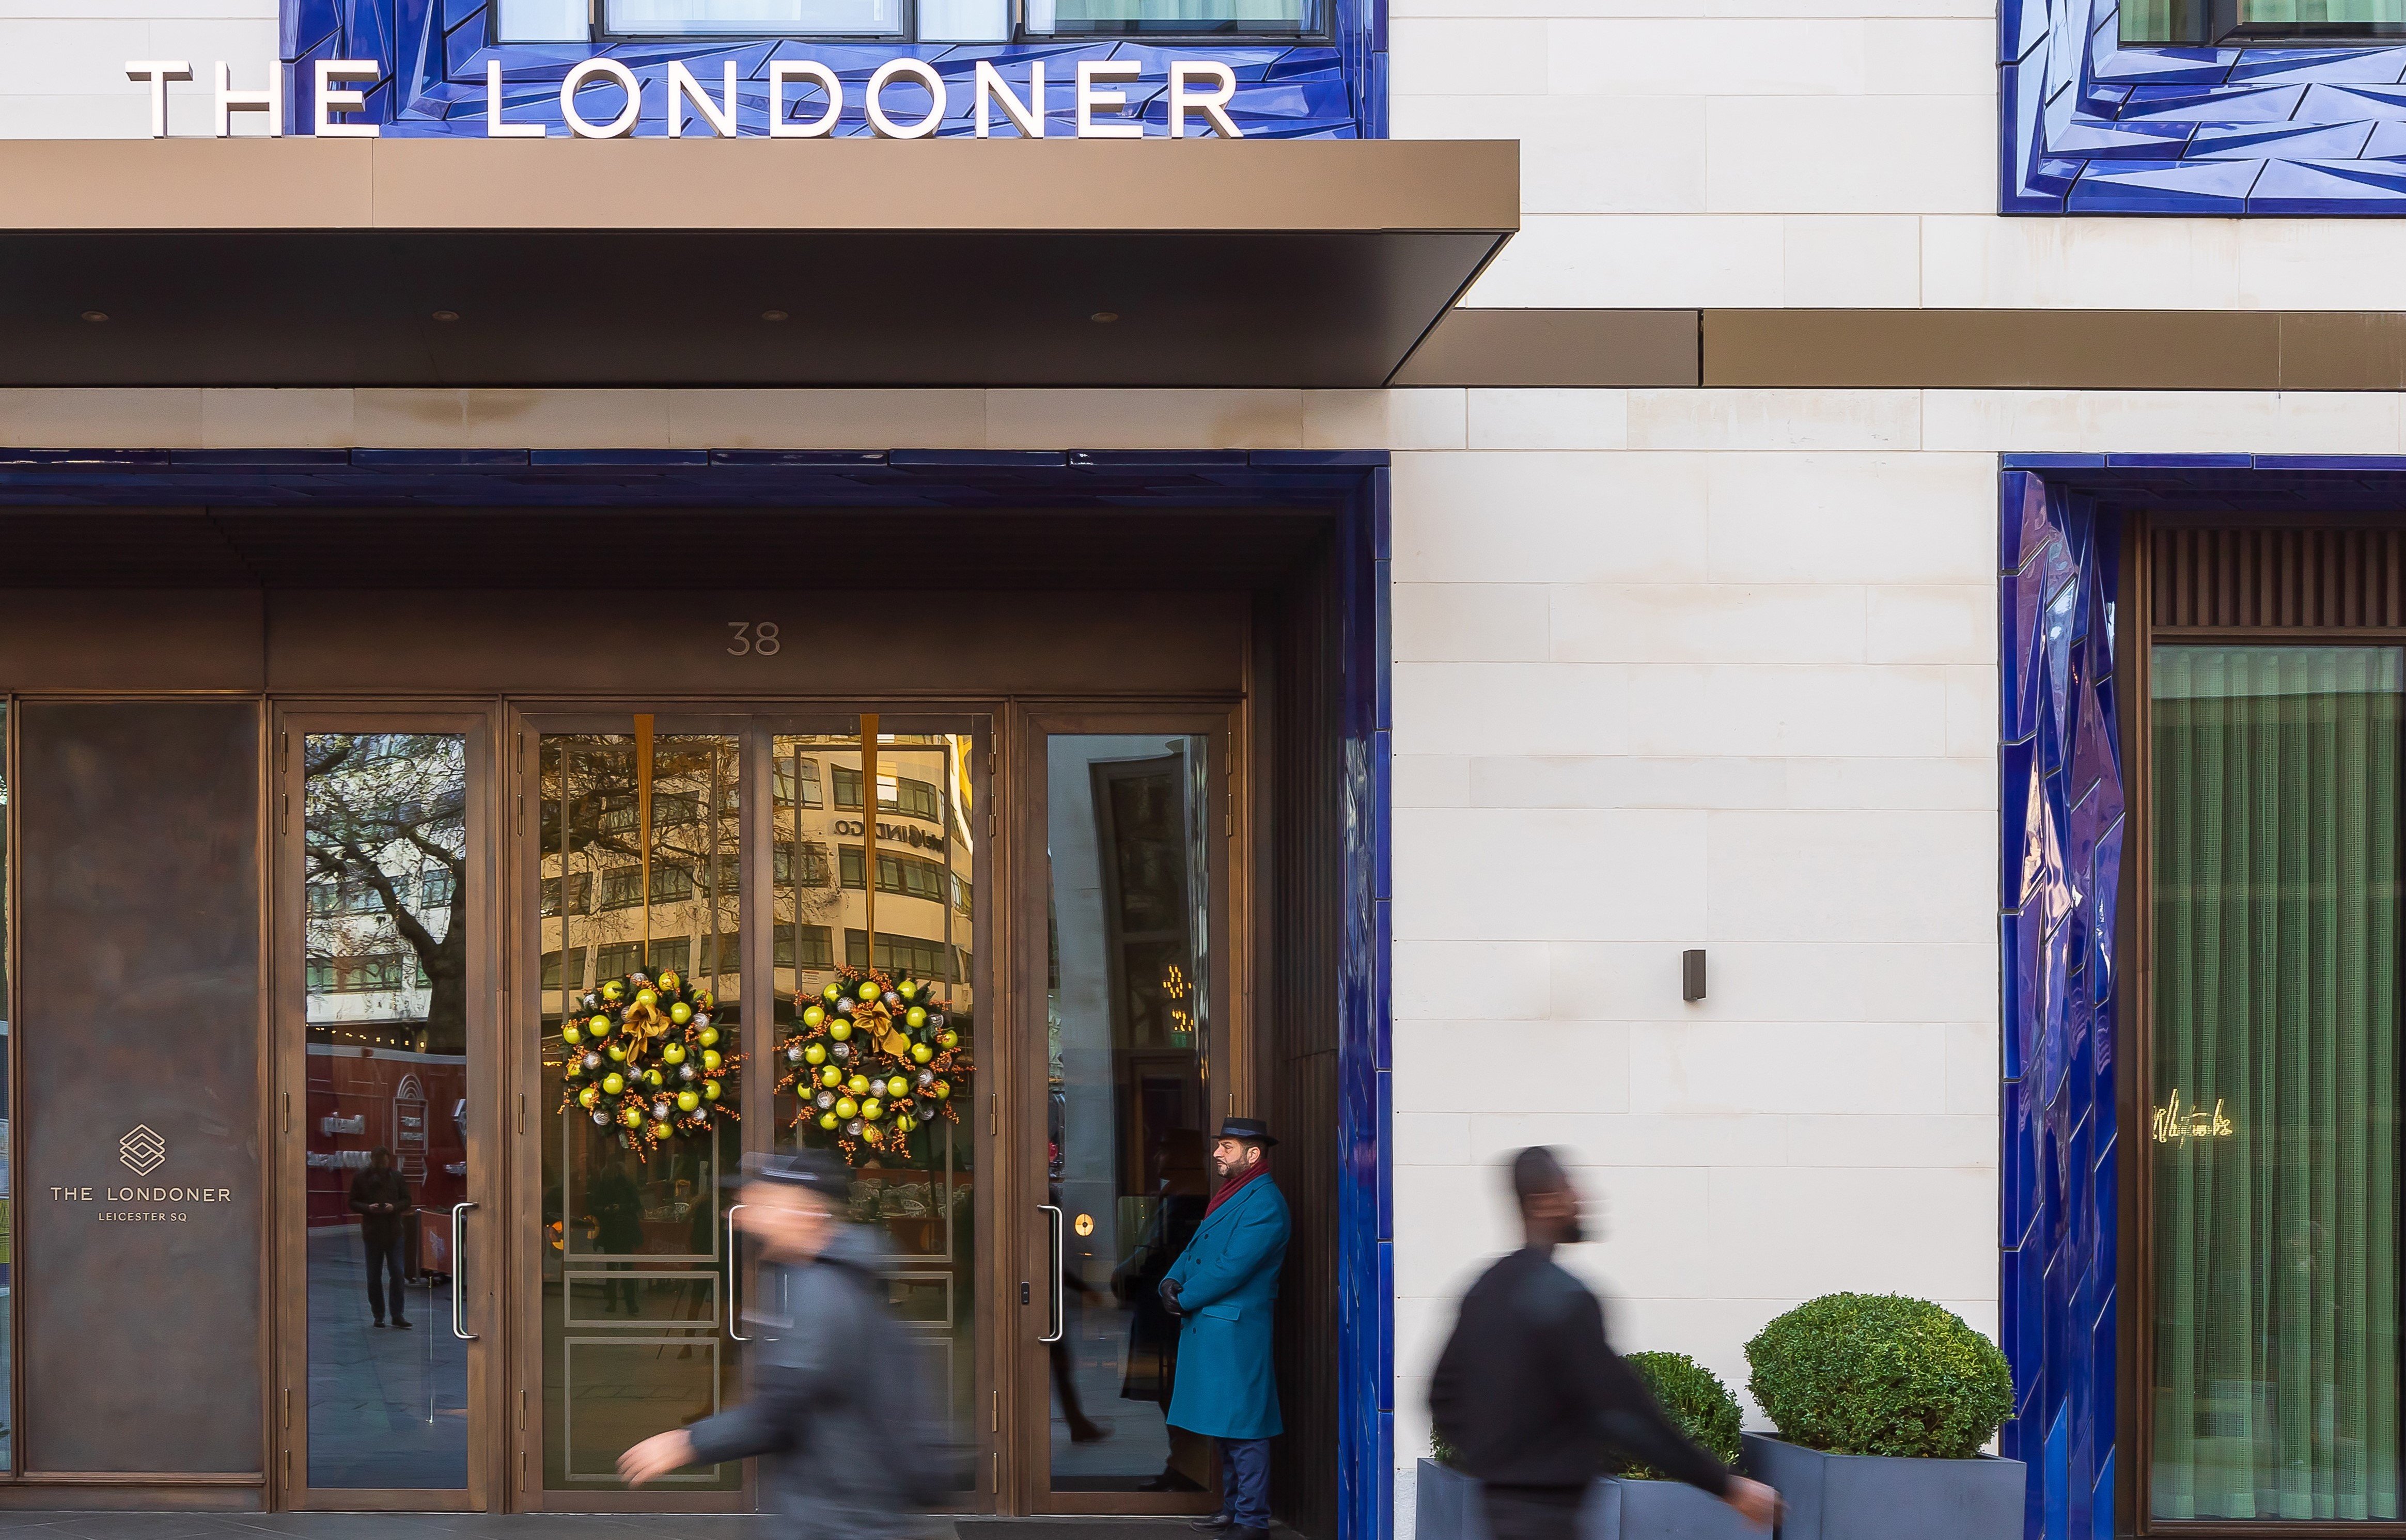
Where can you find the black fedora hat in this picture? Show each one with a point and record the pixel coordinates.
(818, 1170)
(1250, 1130)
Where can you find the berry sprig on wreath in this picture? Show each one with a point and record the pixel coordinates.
(645, 1056)
(874, 1058)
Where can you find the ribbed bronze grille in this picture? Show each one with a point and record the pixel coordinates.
(2295, 578)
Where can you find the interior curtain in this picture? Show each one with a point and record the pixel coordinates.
(2273, 1124)
(2322, 12)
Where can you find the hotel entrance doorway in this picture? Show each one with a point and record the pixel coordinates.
(480, 1138)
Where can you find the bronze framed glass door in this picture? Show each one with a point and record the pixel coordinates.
(737, 867)
(1127, 832)
(387, 1085)
(639, 827)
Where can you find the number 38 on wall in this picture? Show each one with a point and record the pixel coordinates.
(752, 639)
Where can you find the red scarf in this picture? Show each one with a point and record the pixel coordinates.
(1234, 1184)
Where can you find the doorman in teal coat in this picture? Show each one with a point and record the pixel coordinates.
(1222, 1288)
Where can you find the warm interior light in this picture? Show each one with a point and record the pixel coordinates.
(1105, 317)
(95, 316)
(773, 315)
(446, 315)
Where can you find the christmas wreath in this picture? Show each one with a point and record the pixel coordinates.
(874, 1058)
(645, 1057)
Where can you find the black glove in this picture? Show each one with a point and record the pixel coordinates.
(1169, 1297)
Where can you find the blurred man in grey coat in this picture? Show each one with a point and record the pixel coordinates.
(848, 1452)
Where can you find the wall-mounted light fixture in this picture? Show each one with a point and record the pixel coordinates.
(1691, 974)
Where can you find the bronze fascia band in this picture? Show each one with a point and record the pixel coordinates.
(1569, 348)
(2056, 349)
(1917, 349)
(1018, 185)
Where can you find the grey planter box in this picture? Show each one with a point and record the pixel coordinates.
(1449, 1509)
(1875, 1497)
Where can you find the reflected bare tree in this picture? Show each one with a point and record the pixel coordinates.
(380, 811)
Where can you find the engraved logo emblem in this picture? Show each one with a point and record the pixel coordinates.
(142, 1150)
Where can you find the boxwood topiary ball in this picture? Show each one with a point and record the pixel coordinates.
(1879, 1374)
(1699, 1403)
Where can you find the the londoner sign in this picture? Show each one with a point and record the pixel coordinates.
(1197, 87)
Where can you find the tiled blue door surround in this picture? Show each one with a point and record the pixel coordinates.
(2060, 799)
(1352, 486)
(2090, 126)
(2059, 807)
(434, 54)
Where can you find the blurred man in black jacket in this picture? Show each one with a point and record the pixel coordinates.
(1533, 1399)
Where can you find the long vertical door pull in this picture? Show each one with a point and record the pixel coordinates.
(1060, 1302)
(734, 1269)
(459, 1274)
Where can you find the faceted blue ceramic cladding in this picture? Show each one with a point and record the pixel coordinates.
(2091, 126)
(1365, 1379)
(2060, 802)
(436, 52)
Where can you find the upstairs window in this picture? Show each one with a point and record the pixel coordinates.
(2262, 23)
(900, 21)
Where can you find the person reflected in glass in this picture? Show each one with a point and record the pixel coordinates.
(380, 1196)
(617, 1229)
(1177, 1202)
(1074, 1290)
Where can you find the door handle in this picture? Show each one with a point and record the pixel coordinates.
(459, 1274)
(1060, 1301)
(734, 1271)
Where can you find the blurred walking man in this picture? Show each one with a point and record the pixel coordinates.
(836, 1410)
(1533, 1399)
(1223, 1288)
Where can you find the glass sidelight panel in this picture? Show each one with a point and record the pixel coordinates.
(872, 870)
(1128, 1016)
(2274, 1121)
(642, 871)
(385, 864)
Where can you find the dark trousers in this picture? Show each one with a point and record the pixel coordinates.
(1245, 1481)
(385, 1258)
(1533, 1513)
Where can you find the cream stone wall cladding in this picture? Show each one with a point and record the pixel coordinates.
(63, 63)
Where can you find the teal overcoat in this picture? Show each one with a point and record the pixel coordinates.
(1227, 1283)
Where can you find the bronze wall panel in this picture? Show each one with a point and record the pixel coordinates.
(139, 864)
(605, 637)
(58, 639)
(1302, 935)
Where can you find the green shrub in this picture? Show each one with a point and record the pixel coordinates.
(1698, 1402)
(1879, 1374)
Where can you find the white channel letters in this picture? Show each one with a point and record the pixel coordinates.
(1197, 87)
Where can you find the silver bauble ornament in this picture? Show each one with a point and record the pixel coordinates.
(660, 1110)
(825, 1099)
(794, 1054)
(853, 1128)
(685, 1071)
(935, 1020)
(602, 1118)
(893, 1001)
